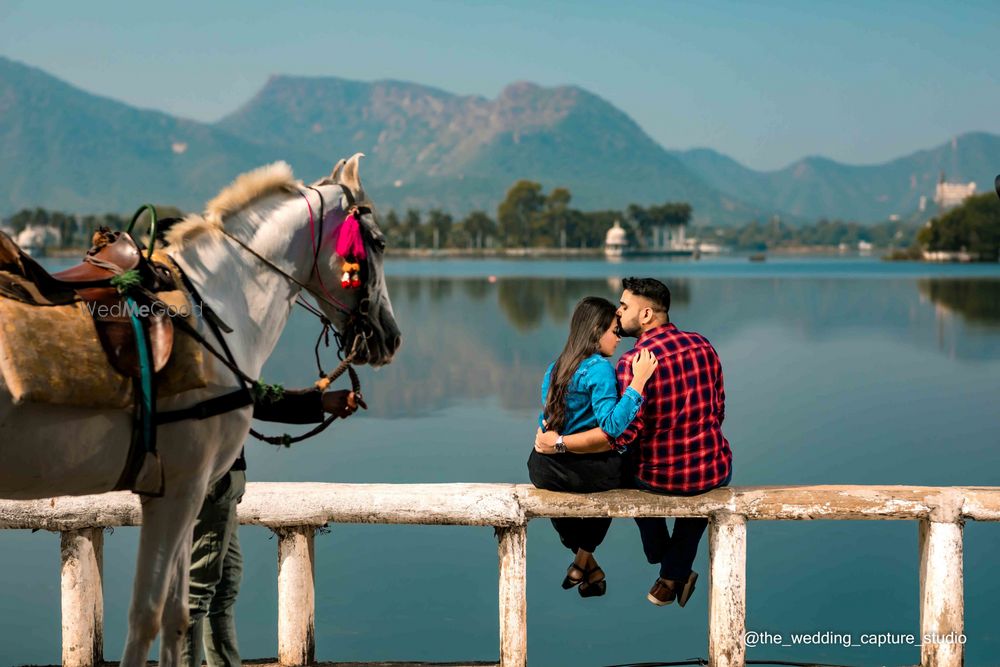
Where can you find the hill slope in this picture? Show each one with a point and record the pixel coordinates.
(66, 149)
(432, 148)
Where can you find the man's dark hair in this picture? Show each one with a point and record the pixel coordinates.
(650, 288)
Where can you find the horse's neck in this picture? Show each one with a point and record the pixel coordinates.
(249, 296)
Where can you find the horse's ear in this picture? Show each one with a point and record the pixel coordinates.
(335, 174)
(350, 178)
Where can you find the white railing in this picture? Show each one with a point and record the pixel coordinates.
(296, 511)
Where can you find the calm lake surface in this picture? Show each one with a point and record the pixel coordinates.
(838, 371)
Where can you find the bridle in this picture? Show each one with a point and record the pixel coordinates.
(358, 321)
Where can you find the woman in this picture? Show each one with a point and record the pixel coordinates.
(580, 392)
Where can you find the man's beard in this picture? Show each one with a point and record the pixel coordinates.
(626, 333)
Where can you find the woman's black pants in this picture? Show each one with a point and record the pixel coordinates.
(577, 473)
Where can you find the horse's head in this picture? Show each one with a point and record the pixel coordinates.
(360, 310)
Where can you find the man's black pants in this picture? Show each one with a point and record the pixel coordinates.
(674, 553)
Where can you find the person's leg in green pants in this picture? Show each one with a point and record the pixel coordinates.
(216, 570)
(220, 633)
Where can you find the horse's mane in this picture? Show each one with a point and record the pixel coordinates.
(244, 190)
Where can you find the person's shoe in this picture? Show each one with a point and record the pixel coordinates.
(595, 585)
(662, 593)
(665, 591)
(687, 589)
(570, 581)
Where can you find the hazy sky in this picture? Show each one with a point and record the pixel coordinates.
(764, 82)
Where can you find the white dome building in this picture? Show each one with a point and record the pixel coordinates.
(615, 242)
(34, 239)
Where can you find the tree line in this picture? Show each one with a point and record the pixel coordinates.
(973, 226)
(776, 233)
(74, 231)
(528, 217)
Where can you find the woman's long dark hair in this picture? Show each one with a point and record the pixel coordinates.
(591, 318)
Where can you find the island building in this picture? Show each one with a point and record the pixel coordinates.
(615, 241)
(664, 240)
(34, 239)
(950, 194)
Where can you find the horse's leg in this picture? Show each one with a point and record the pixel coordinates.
(167, 524)
(175, 613)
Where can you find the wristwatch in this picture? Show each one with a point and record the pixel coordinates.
(560, 445)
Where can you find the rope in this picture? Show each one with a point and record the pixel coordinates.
(286, 440)
(325, 380)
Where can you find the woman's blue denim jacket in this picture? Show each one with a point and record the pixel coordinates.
(592, 399)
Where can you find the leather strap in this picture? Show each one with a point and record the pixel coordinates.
(209, 408)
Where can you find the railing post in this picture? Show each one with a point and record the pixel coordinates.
(513, 553)
(942, 598)
(727, 590)
(296, 596)
(82, 597)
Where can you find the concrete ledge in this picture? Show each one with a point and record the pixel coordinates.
(280, 504)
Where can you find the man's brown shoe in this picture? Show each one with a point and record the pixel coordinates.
(662, 593)
(687, 589)
(665, 591)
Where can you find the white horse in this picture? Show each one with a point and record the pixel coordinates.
(50, 450)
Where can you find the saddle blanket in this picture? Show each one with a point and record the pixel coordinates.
(52, 354)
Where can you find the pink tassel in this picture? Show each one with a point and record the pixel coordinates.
(349, 242)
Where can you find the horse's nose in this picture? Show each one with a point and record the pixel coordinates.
(393, 337)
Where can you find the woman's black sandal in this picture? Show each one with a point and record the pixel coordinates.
(596, 588)
(569, 582)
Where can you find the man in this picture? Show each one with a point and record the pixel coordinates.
(216, 560)
(675, 441)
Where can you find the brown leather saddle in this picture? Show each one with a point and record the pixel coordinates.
(92, 282)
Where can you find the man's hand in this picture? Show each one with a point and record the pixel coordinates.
(545, 441)
(342, 403)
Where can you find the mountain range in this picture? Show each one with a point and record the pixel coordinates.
(66, 149)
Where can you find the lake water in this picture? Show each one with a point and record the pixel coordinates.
(838, 371)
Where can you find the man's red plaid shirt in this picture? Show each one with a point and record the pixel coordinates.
(676, 439)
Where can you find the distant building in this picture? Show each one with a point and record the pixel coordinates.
(615, 242)
(950, 256)
(670, 237)
(34, 239)
(949, 195)
(663, 241)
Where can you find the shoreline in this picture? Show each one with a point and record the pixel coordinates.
(818, 252)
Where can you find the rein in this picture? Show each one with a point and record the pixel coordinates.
(329, 299)
(286, 440)
(312, 237)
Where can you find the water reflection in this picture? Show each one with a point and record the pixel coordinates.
(526, 301)
(976, 300)
(472, 339)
